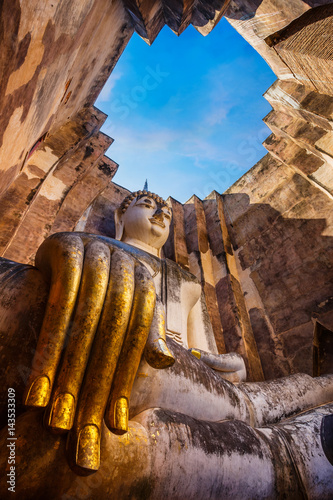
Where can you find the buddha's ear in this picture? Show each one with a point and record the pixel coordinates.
(119, 223)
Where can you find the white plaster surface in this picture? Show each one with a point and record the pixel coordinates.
(53, 188)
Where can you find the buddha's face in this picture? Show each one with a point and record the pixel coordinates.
(147, 221)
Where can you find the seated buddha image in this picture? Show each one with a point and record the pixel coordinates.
(109, 346)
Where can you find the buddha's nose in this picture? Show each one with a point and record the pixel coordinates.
(159, 215)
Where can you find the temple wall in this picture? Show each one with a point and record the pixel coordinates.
(281, 233)
(55, 60)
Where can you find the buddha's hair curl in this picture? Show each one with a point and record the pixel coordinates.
(138, 194)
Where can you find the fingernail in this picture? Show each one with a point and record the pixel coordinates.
(39, 392)
(164, 347)
(165, 350)
(121, 416)
(195, 353)
(88, 448)
(62, 412)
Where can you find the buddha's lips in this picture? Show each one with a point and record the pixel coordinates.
(155, 221)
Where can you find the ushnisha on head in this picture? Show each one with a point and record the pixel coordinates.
(143, 220)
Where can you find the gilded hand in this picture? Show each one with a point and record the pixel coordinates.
(102, 312)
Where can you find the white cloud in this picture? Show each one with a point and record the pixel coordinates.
(147, 140)
(216, 115)
(105, 94)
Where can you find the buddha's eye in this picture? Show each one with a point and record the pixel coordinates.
(145, 202)
(167, 215)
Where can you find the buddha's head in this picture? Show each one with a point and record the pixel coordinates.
(143, 220)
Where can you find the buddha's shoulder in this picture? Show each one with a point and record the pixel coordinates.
(179, 272)
(181, 283)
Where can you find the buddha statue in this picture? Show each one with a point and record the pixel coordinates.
(111, 349)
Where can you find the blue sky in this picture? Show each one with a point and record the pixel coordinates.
(187, 112)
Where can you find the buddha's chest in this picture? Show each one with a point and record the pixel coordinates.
(179, 293)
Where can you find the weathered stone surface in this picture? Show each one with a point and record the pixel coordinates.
(229, 316)
(200, 261)
(301, 102)
(54, 63)
(242, 321)
(18, 298)
(83, 193)
(322, 350)
(296, 128)
(70, 137)
(274, 365)
(206, 15)
(149, 17)
(284, 240)
(302, 139)
(289, 152)
(37, 222)
(99, 216)
(257, 19)
(305, 47)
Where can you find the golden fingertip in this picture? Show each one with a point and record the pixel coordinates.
(39, 392)
(195, 353)
(121, 416)
(88, 448)
(62, 412)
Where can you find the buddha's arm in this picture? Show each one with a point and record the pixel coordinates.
(201, 342)
(199, 330)
(167, 454)
(192, 388)
(229, 366)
